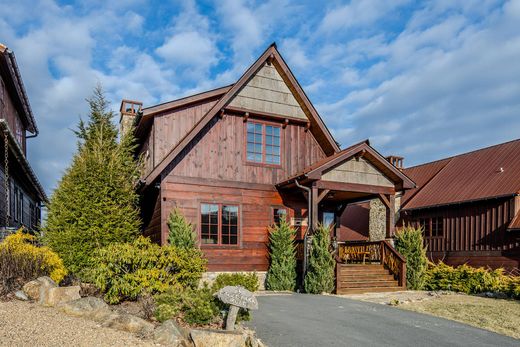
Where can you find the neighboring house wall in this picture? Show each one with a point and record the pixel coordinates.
(8, 112)
(474, 233)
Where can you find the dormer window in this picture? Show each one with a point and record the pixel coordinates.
(263, 143)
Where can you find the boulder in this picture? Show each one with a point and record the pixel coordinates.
(20, 295)
(39, 287)
(88, 307)
(128, 322)
(58, 295)
(218, 338)
(169, 333)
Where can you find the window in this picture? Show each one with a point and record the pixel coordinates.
(278, 215)
(263, 143)
(18, 129)
(219, 224)
(328, 219)
(424, 223)
(437, 227)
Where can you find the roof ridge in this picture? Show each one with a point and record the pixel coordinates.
(463, 154)
(189, 96)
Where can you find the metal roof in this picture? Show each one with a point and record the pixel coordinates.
(482, 174)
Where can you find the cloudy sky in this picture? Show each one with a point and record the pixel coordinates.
(423, 80)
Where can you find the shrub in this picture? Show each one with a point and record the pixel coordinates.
(194, 306)
(124, 270)
(95, 202)
(21, 261)
(471, 280)
(409, 243)
(320, 273)
(246, 280)
(182, 234)
(282, 254)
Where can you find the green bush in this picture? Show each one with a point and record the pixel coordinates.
(182, 234)
(95, 203)
(246, 280)
(194, 306)
(409, 243)
(282, 254)
(124, 270)
(320, 273)
(471, 280)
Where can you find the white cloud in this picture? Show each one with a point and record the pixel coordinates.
(189, 48)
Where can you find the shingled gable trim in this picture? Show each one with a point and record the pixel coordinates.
(315, 171)
(270, 53)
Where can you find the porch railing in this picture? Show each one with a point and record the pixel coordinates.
(374, 252)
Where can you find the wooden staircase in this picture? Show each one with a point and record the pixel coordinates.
(365, 278)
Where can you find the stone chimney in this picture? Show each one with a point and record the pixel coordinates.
(129, 111)
(396, 161)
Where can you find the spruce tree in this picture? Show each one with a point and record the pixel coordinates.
(409, 243)
(282, 253)
(320, 272)
(95, 202)
(182, 232)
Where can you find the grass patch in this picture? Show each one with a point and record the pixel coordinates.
(500, 316)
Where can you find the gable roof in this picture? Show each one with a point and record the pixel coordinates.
(317, 169)
(482, 174)
(272, 55)
(12, 77)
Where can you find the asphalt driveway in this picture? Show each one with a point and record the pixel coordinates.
(302, 320)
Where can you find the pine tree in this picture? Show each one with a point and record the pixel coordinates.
(282, 253)
(409, 243)
(95, 202)
(182, 233)
(320, 272)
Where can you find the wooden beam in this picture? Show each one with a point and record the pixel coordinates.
(323, 194)
(246, 117)
(265, 115)
(390, 217)
(384, 200)
(354, 187)
(314, 201)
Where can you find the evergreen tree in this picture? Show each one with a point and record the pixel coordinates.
(320, 272)
(95, 202)
(409, 243)
(282, 253)
(182, 233)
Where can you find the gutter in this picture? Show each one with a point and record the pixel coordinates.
(309, 218)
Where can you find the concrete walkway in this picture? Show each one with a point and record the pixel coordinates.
(302, 320)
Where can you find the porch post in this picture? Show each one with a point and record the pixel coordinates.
(390, 217)
(314, 210)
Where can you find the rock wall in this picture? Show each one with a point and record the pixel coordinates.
(377, 221)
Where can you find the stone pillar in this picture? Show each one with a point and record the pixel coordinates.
(377, 220)
(129, 111)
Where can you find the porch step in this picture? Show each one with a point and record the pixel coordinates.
(364, 278)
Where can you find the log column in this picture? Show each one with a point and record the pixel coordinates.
(389, 202)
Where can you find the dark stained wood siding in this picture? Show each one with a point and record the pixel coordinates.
(219, 154)
(10, 114)
(474, 233)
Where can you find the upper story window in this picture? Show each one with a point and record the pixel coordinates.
(263, 143)
(219, 224)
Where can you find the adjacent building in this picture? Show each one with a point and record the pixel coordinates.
(21, 195)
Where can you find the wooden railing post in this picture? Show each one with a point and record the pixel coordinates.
(402, 275)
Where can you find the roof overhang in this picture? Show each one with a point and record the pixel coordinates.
(20, 157)
(10, 67)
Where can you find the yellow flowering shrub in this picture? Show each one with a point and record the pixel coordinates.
(21, 258)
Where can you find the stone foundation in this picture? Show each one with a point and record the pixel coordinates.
(209, 277)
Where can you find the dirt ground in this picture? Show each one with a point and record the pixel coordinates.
(27, 324)
(499, 315)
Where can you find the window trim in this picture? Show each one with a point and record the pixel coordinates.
(263, 123)
(280, 207)
(219, 225)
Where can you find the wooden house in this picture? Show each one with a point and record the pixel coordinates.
(236, 159)
(21, 194)
(469, 206)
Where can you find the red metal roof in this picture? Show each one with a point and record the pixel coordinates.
(485, 173)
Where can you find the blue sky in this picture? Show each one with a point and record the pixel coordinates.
(423, 80)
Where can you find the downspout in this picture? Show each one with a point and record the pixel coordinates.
(309, 218)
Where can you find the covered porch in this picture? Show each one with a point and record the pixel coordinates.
(356, 174)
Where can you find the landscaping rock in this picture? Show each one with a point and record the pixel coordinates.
(168, 333)
(20, 295)
(237, 297)
(216, 338)
(88, 307)
(127, 322)
(60, 295)
(34, 289)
